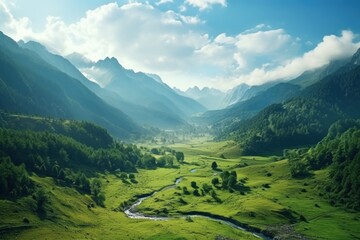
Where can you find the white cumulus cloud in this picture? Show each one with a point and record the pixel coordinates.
(176, 46)
(331, 48)
(204, 4)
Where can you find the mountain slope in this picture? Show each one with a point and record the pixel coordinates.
(30, 85)
(141, 89)
(248, 108)
(244, 92)
(308, 78)
(305, 119)
(137, 112)
(211, 98)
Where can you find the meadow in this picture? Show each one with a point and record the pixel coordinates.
(271, 200)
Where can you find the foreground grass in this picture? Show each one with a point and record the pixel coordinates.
(275, 201)
(278, 207)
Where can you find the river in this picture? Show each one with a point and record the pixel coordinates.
(132, 213)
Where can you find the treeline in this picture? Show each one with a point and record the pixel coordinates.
(82, 131)
(63, 158)
(298, 122)
(340, 151)
(50, 153)
(14, 180)
(301, 121)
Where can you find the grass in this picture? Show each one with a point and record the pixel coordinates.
(273, 207)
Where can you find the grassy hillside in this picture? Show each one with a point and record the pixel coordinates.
(272, 201)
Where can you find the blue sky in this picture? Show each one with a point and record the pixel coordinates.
(217, 43)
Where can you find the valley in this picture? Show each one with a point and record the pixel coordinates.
(272, 202)
(164, 120)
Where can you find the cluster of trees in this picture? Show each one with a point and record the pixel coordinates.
(50, 154)
(205, 189)
(228, 182)
(60, 157)
(180, 157)
(81, 131)
(340, 151)
(298, 122)
(14, 180)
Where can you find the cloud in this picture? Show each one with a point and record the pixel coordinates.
(12, 26)
(204, 4)
(163, 2)
(331, 48)
(176, 46)
(247, 49)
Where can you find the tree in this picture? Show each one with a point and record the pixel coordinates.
(180, 156)
(193, 185)
(231, 181)
(214, 165)
(196, 192)
(41, 200)
(185, 191)
(155, 151)
(98, 196)
(169, 161)
(161, 162)
(215, 181)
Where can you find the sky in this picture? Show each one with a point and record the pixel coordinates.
(213, 43)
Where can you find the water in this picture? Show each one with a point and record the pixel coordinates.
(132, 213)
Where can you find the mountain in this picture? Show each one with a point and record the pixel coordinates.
(244, 92)
(248, 108)
(211, 98)
(140, 114)
(59, 62)
(30, 85)
(305, 119)
(139, 88)
(79, 60)
(234, 95)
(310, 77)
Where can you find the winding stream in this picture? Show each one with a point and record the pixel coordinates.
(132, 213)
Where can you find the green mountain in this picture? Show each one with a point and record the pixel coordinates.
(308, 78)
(30, 85)
(339, 150)
(303, 120)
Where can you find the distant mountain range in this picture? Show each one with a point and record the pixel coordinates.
(141, 88)
(244, 101)
(36, 81)
(142, 96)
(211, 98)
